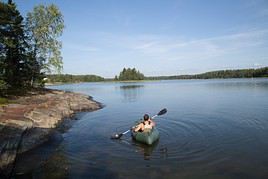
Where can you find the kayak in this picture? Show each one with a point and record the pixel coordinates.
(146, 137)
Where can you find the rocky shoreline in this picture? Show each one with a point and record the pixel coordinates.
(28, 121)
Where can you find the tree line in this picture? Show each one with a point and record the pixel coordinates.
(67, 78)
(28, 46)
(128, 74)
(239, 73)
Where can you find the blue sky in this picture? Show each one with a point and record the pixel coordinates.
(167, 37)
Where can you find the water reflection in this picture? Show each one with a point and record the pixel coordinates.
(145, 150)
(131, 92)
(151, 151)
(44, 159)
(131, 86)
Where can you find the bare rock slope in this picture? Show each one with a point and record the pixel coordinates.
(29, 120)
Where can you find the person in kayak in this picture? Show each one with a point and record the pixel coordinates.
(147, 124)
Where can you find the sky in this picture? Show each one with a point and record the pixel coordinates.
(160, 37)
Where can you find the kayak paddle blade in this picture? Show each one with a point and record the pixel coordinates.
(163, 111)
(117, 136)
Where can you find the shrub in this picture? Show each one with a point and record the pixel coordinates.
(3, 101)
(3, 88)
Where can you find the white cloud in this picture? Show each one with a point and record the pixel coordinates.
(176, 48)
(163, 54)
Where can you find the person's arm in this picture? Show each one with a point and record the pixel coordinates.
(138, 127)
(153, 123)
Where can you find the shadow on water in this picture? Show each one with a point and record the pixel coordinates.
(50, 161)
(39, 160)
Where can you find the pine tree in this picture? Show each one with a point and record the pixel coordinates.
(130, 74)
(13, 47)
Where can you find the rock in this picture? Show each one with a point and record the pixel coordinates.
(33, 138)
(9, 146)
(43, 118)
(23, 124)
(31, 119)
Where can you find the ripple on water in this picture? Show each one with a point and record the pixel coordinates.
(184, 140)
(212, 129)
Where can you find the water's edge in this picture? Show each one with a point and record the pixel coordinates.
(211, 130)
(31, 120)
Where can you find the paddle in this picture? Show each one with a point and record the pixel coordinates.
(118, 136)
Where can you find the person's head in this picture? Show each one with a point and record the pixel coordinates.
(146, 117)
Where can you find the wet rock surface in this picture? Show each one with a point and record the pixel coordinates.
(29, 121)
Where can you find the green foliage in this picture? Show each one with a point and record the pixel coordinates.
(242, 73)
(130, 74)
(3, 88)
(60, 78)
(25, 53)
(44, 25)
(13, 56)
(3, 101)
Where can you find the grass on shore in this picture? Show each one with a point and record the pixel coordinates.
(3, 101)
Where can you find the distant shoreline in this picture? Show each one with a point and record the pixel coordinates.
(138, 81)
(220, 74)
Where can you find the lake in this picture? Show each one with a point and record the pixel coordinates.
(214, 129)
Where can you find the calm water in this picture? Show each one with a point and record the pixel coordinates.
(213, 129)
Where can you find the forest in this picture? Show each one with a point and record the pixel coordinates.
(67, 78)
(239, 73)
(132, 74)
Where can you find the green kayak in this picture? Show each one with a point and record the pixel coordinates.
(146, 137)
